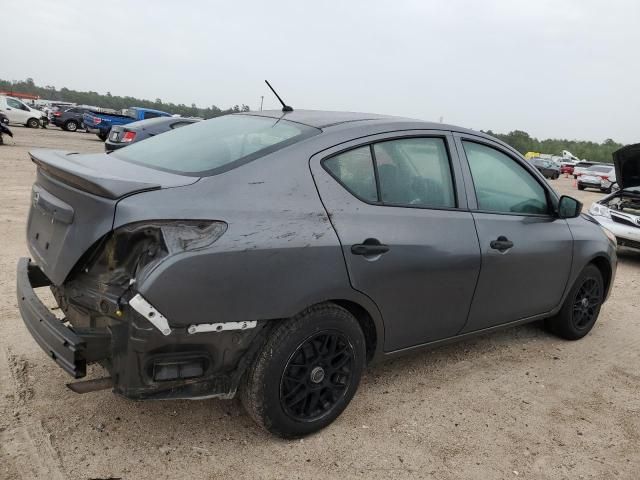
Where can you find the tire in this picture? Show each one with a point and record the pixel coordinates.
(577, 316)
(580, 187)
(103, 136)
(294, 388)
(71, 126)
(556, 176)
(33, 123)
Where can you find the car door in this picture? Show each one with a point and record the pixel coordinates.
(408, 239)
(526, 250)
(17, 112)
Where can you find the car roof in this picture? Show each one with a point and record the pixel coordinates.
(325, 119)
(143, 109)
(149, 122)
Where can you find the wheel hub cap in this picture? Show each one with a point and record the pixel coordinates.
(317, 375)
(585, 302)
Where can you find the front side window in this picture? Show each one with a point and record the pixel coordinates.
(414, 171)
(215, 145)
(354, 170)
(14, 103)
(502, 184)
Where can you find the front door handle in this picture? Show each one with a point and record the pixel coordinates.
(370, 247)
(502, 244)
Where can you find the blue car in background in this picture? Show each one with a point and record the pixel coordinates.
(101, 123)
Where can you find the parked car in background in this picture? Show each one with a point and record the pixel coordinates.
(567, 167)
(101, 123)
(610, 184)
(19, 112)
(70, 119)
(123, 135)
(593, 176)
(619, 212)
(548, 168)
(580, 167)
(276, 253)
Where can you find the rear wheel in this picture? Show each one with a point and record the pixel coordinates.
(33, 123)
(103, 136)
(581, 308)
(307, 372)
(71, 125)
(580, 187)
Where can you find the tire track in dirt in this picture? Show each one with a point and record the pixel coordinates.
(26, 450)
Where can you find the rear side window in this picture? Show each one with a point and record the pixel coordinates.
(215, 145)
(405, 172)
(501, 184)
(354, 169)
(415, 171)
(150, 115)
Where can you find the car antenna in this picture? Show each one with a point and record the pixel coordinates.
(285, 107)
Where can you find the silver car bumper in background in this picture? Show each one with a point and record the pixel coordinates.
(626, 229)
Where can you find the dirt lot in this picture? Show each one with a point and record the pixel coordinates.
(517, 404)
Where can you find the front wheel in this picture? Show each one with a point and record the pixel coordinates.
(581, 308)
(71, 126)
(580, 187)
(33, 123)
(307, 372)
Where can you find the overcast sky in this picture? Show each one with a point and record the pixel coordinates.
(563, 68)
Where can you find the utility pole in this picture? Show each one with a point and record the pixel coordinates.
(261, 100)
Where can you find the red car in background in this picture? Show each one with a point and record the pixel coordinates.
(567, 167)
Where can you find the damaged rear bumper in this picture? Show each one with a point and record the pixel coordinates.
(70, 349)
(143, 362)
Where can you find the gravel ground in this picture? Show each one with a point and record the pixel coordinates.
(516, 404)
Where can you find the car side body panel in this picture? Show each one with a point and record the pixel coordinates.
(291, 257)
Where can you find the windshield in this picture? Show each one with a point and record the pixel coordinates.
(216, 145)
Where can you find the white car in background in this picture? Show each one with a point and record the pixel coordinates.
(19, 112)
(580, 167)
(619, 212)
(593, 177)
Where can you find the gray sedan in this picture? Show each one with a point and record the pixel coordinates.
(275, 254)
(123, 135)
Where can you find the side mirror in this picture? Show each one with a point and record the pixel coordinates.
(568, 207)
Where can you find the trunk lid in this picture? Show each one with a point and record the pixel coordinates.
(73, 203)
(627, 164)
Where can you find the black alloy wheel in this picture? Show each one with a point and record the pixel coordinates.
(581, 307)
(306, 372)
(586, 303)
(316, 376)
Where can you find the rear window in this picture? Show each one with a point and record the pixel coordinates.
(600, 169)
(215, 145)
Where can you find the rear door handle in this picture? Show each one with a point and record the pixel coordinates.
(370, 247)
(501, 244)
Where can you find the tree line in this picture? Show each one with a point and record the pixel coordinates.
(521, 141)
(114, 102)
(597, 152)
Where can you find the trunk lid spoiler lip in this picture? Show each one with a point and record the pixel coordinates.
(84, 176)
(627, 164)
